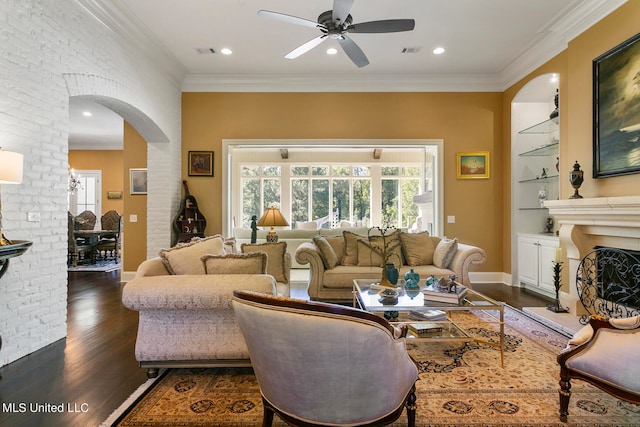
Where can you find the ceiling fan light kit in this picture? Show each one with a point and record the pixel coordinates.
(335, 24)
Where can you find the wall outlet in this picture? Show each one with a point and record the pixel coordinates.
(451, 219)
(33, 216)
(133, 218)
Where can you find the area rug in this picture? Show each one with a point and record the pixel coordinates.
(461, 384)
(100, 266)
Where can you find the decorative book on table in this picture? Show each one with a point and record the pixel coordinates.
(453, 295)
(422, 329)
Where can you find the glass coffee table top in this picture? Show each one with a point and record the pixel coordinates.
(414, 310)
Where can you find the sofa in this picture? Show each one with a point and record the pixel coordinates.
(294, 238)
(335, 261)
(183, 298)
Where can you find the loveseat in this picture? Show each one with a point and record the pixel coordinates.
(184, 302)
(335, 261)
(294, 238)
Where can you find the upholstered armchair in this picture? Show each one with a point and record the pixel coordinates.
(605, 353)
(320, 364)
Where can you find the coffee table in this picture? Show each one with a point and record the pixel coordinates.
(411, 305)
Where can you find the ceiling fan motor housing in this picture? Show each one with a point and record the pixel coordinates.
(331, 27)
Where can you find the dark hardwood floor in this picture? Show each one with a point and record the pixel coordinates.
(93, 370)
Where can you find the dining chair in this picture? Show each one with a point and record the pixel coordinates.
(86, 220)
(77, 252)
(109, 243)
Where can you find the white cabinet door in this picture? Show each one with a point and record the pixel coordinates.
(528, 261)
(535, 262)
(547, 256)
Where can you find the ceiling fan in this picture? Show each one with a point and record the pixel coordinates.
(335, 24)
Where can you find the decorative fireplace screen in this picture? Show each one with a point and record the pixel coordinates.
(608, 283)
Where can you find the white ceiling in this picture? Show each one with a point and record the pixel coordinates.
(490, 44)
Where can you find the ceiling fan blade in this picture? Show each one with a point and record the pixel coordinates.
(306, 47)
(384, 26)
(353, 51)
(341, 10)
(290, 19)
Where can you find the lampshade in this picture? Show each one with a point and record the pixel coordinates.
(10, 167)
(272, 218)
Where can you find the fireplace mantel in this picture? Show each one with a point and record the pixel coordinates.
(585, 223)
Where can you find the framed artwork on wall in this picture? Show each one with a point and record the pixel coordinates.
(616, 110)
(472, 165)
(200, 163)
(138, 181)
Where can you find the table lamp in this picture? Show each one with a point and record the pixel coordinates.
(272, 218)
(10, 173)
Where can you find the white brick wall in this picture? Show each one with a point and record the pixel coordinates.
(51, 50)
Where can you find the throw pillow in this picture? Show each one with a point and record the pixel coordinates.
(417, 248)
(444, 252)
(369, 255)
(185, 258)
(328, 255)
(351, 247)
(275, 257)
(250, 263)
(230, 245)
(337, 243)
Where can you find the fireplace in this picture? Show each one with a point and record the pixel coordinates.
(608, 283)
(611, 222)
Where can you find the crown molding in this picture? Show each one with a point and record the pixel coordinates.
(115, 16)
(342, 83)
(584, 14)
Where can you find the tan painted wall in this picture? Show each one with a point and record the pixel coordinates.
(110, 163)
(135, 233)
(576, 113)
(465, 121)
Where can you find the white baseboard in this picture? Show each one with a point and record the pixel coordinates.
(491, 277)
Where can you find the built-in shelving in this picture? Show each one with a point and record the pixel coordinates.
(545, 150)
(548, 126)
(549, 178)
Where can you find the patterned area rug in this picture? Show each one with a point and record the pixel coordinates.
(100, 266)
(461, 384)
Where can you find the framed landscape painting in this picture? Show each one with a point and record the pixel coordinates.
(616, 110)
(472, 165)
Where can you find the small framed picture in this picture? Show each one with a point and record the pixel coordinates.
(472, 165)
(114, 195)
(200, 163)
(138, 181)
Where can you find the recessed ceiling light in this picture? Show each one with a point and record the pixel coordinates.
(438, 51)
(226, 51)
(87, 113)
(332, 51)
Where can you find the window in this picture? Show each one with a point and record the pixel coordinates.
(332, 184)
(87, 197)
(260, 189)
(321, 192)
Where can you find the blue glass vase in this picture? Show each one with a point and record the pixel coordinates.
(411, 279)
(392, 273)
